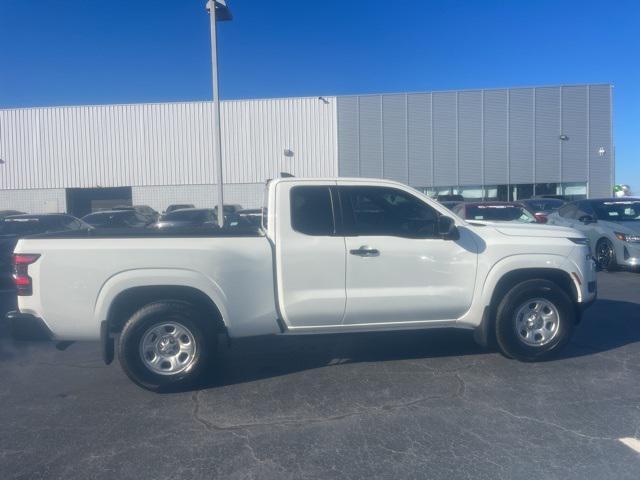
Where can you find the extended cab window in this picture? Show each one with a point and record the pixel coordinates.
(312, 211)
(386, 211)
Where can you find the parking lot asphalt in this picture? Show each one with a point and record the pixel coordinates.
(428, 404)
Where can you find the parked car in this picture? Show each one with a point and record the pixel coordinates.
(249, 217)
(8, 213)
(495, 212)
(612, 226)
(338, 255)
(14, 227)
(144, 210)
(450, 204)
(228, 209)
(117, 219)
(542, 207)
(450, 198)
(178, 206)
(188, 217)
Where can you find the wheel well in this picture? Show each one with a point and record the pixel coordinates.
(509, 280)
(131, 300)
(485, 333)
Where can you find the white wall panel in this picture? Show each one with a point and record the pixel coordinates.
(165, 144)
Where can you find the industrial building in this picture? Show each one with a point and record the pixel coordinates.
(492, 144)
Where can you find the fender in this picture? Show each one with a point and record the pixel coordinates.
(520, 262)
(487, 285)
(149, 277)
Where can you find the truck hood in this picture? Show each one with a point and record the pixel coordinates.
(536, 230)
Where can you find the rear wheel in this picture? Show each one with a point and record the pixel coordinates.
(164, 346)
(534, 320)
(605, 255)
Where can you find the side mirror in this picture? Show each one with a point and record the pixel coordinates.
(587, 219)
(447, 228)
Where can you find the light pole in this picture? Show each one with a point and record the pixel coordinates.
(218, 11)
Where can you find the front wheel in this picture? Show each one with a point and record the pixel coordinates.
(534, 320)
(605, 255)
(163, 346)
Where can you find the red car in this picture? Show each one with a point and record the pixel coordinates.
(497, 212)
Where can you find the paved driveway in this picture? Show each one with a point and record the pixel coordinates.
(401, 405)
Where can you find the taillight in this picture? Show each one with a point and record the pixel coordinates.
(21, 278)
(541, 217)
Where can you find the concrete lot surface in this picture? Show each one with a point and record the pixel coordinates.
(426, 404)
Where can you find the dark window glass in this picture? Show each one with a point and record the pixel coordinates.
(568, 211)
(499, 213)
(521, 191)
(387, 211)
(544, 204)
(311, 211)
(617, 210)
(187, 216)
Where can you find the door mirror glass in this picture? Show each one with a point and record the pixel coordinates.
(587, 219)
(447, 228)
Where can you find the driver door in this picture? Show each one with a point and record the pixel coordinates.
(398, 269)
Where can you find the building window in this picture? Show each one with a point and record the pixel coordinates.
(521, 191)
(498, 193)
(475, 194)
(574, 191)
(547, 189)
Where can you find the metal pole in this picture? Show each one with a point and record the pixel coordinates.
(217, 144)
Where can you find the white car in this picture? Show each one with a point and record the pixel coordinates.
(332, 255)
(612, 226)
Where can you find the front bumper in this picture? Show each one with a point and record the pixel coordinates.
(23, 326)
(630, 254)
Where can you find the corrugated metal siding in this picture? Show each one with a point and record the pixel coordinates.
(470, 138)
(600, 166)
(394, 149)
(521, 142)
(475, 137)
(575, 125)
(348, 137)
(419, 139)
(370, 146)
(445, 139)
(547, 134)
(496, 149)
(165, 144)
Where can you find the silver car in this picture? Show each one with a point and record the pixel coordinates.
(612, 225)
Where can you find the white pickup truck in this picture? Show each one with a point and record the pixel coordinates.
(331, 255)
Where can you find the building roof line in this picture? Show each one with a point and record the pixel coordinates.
(308, 97)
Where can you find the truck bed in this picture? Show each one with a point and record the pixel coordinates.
(79, 275)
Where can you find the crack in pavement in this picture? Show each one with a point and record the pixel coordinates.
(198, 417)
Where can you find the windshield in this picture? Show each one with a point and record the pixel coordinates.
(617, 210)
(30, 225)
(499, 213)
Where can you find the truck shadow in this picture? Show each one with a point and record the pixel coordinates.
(608, 325)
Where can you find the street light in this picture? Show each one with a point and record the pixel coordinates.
(218, 10)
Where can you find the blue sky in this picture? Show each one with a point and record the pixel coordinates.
(68, 52)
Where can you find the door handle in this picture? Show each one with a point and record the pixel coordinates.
(365, 251)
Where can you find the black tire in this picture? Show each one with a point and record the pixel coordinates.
(606, 255)
(511, 342)
(154, 315)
